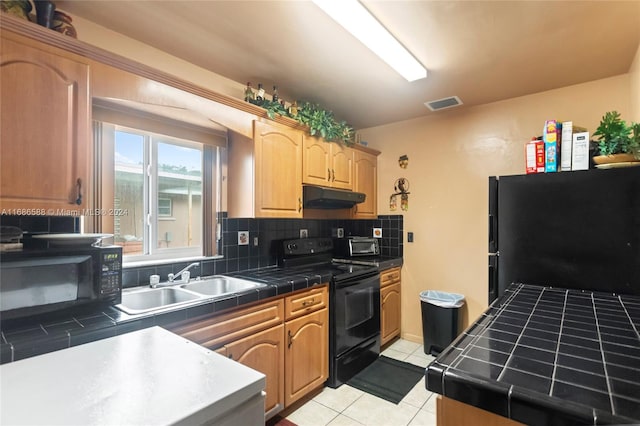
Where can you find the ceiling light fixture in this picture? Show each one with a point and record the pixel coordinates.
(353, 16)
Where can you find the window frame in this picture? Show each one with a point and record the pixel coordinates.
(104, 138)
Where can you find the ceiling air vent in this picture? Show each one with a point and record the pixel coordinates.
(443, 103)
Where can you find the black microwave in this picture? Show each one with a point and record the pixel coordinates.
(38, 281)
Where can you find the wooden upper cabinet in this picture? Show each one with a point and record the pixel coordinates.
(366, 181)
(265, 174)
(327, 163)
(45, 138)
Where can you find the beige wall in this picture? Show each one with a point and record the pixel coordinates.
(451, 155)
(634, 73)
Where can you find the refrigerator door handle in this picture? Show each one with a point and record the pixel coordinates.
(493, 277)
(491, 229)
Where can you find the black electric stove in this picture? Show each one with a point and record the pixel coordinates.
(310, 254)
(354, 304)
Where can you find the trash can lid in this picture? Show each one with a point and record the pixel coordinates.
(442, 298)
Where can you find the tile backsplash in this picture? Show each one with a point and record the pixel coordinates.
(239, 257)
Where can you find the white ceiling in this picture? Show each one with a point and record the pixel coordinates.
(480, 51)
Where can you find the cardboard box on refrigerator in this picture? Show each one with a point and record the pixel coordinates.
(550, 138)
(534, 154)
(580, 151)
(566, 145)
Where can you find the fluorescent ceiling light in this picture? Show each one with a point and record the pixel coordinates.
(362, 25)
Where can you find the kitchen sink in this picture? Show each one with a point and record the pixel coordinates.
(219, 284)
(152, 299)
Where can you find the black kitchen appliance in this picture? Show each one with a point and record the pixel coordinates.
(354, 305)
(572, 230)
(320, 197)
(46, 280)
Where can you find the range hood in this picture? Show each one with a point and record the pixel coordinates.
(318, 197)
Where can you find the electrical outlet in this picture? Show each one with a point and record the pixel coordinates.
(409, 237)
(304, 233)
(255, 241)
(337, 232)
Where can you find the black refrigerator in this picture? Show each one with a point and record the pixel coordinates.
(578, 230)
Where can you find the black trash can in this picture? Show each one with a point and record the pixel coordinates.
(440, 319)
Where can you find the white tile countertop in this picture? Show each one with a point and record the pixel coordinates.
(147, 377)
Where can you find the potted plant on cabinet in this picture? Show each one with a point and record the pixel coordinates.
(617, 142)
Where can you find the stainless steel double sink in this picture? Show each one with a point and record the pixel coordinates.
(138, 301)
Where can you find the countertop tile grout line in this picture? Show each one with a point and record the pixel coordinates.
(604, 361)
(555, 360)
(515, 344)
(459, 358)
(624, 307)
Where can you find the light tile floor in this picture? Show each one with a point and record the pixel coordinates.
(347, 406)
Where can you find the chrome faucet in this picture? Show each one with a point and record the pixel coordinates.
(184, 274)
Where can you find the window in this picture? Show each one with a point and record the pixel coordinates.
(164, 207)
(154, 173)
(156, 186)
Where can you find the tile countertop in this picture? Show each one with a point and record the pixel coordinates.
(542, 355)
(149, 377)
(47, 333)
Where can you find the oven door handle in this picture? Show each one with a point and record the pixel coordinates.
(366, 280)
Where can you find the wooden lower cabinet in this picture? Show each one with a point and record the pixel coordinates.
(390, 301)
(450, 412)
(307, 354)
(290, 346)
(264, 352)
(389, 313)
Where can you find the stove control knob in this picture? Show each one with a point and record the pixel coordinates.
(292, 246)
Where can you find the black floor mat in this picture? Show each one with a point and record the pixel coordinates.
(388, 378)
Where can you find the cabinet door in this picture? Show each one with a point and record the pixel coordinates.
(264, 353)
(307, 354)
(44, 129)
(316, 161)
(366, 180)
(342, 167)
(389, 312)
(278, 171)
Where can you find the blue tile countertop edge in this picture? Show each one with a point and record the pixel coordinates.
(545, 355)
(48, 333)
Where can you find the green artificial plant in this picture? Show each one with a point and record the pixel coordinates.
(614, 135)
(635, 140)
(320, 121)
